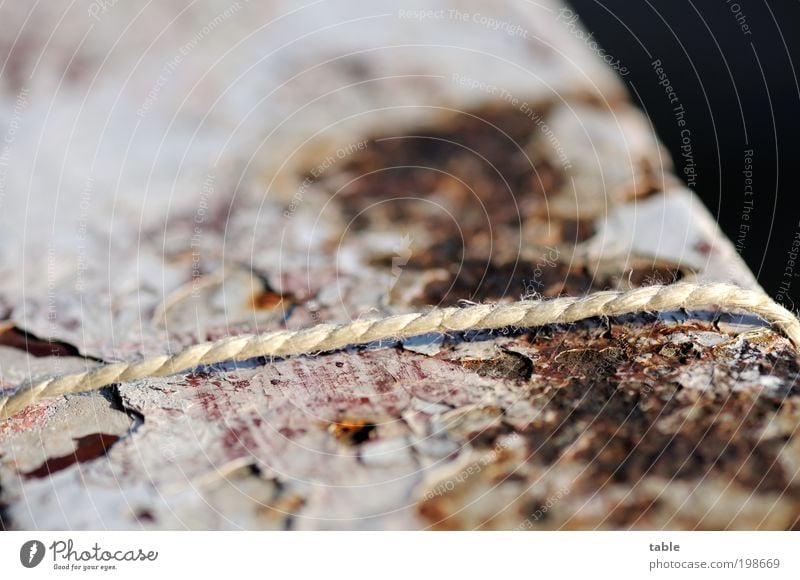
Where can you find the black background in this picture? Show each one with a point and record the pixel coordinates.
(740, 91)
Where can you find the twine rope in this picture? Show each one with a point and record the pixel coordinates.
(328, 337)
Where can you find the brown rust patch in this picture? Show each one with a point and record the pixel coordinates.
(577, 230)
(473, 156)
(614, 404)
(590, 361)
(87, 448)
(482, 280)
(471, 191)
(461, 179)
(266, 300)
(14, 337)
(479, 281)
(507, 364)
(352, 431)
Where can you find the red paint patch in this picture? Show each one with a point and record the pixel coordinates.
(31, 417)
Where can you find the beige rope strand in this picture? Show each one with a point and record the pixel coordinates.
(327, 337)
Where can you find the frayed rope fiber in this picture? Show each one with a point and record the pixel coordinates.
(328, 337)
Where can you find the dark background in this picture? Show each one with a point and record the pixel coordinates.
(740, 91)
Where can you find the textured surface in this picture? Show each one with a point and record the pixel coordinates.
(325, 338)
(266, 186)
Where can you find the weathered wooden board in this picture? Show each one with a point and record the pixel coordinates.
(260, 167)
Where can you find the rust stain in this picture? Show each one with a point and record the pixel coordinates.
(508, 365)
(474, 183)
(87, 448)
(577, 230)
(13, 337)
(351, 431)
(268, 300)
(476, 164)
(213, 399)
(618, 414)
(591, 362)
(241, 437)
(482, 280)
